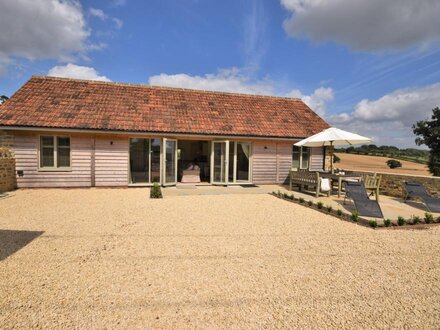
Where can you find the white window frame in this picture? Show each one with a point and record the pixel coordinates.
(54, 168)
(301, 163)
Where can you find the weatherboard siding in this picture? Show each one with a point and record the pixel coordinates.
(111, 161)
(316, 159)
(25, 147)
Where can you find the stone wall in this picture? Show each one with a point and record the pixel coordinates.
(391, 184)
(7, 170)
(6, 139)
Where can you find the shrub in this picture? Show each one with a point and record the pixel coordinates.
(372, 223)
(355, 216)
(415, 220)
(309, 203)
(438, 219)
(155, 191)
(329, 208)
(292, 197)
(400, 221)
(429, 217)
(392, 163)
(319, 205)
(285, 195)
(387, 222)
(339, 212)
(301, 200)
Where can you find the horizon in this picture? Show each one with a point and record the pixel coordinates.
(376, 78)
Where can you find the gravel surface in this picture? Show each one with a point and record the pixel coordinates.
(112, 258)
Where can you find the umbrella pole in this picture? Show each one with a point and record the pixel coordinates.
(331, 157)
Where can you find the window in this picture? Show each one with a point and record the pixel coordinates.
(54, 152)
(300, 157)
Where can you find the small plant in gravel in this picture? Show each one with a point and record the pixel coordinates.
(329, 208)
(355, 216)
(279, 193)
(301, 200)
(438, 220)
(155, 191)
(320, 205)
(292, 197)
(400, 220)
(428, 217)
(339, 212)
(415, 219)
(387, 222)
(310, 203)
(285, 195)
(372, 223)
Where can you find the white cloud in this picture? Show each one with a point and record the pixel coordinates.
(118, 22)
(317, 100)
(119, 3)
(227, 80)
(389, 118)
(42, 29)
(255, 35)
(365, 24)
(240, 81)
(76, 71)
(99, 13)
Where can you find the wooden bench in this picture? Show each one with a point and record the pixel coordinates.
(306, 179)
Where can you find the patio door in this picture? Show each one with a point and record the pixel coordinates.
(169, 162)
(219, 162)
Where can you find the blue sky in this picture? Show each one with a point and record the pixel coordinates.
(371, 67)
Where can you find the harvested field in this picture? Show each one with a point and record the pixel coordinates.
(112, 258)
(378, 164)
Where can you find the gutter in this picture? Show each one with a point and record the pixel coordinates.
(158, 134)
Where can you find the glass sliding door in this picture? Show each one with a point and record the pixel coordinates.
(242, 156)
(219, 162)
(139, 160)
(155, 160)
(170, 162)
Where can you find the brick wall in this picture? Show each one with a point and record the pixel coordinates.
(391, 184)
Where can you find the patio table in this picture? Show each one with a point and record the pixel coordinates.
(341, 178)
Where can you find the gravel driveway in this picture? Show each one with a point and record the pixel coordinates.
(112, 258)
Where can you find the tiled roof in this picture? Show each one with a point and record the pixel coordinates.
(47, 102)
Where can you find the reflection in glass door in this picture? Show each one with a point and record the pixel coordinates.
(170, 162)
(219, 162)
(239, 162)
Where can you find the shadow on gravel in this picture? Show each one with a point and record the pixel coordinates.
(13, 240)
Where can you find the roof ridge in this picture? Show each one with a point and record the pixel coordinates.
(164, 87)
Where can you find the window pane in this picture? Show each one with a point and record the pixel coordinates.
(47, 141)
(63, 157)
(63, 150)
(295, 157)
(155, 160)
(63, 142)
(47, 159)
(305, 157)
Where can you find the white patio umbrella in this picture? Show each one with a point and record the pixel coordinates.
(332, 137)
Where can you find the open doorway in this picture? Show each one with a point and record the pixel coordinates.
(193, 161)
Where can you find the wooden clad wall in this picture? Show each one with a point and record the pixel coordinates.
(271, 161)
(284, 161)
(264, 162)
(25, 147)
(317, 159)
(111, 161)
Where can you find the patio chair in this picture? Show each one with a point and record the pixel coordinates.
(416, 190)
(372, 184)
(364, 205)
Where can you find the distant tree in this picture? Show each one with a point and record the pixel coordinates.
(392, 163)
(428, 133)
(336, 159)
(3, 99)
